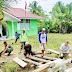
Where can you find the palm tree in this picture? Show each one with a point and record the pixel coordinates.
(69, 7)
(59, 12)
(35, 9)
(57, 9)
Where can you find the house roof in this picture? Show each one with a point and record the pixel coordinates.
(22, 14)
(9, 17)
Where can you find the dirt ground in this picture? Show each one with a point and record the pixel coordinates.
(30, 67)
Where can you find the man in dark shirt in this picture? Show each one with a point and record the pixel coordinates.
(28, 50)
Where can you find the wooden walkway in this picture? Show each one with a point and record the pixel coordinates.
(45, 57)
(31, 61)
(39, 59)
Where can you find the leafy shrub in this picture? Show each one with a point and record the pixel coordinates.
(9, 67)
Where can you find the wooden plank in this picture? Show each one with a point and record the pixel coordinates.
(68, 70)
(42, 69)
(53, 51)
(39, 59)
(20, 62)
(33, 62)
(49, 63)
(45, 57)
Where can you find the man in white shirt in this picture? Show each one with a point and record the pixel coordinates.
(43, 40)
(65, 48)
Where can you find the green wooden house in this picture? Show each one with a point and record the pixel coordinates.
(17, 20)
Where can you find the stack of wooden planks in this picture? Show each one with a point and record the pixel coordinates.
(39, 60)
(46, 66)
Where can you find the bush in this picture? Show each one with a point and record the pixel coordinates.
(47, 24)
(9, 67)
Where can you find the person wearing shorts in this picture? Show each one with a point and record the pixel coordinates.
(43, 40)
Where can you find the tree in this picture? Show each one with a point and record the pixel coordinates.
(35, 9)
(61, 16)
(4, 4)
(47, 24)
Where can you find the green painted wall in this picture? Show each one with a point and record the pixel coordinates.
(33, 30)
(9, 28)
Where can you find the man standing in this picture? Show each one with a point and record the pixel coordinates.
(17, 35)
(28, 50)
(43, 40)
(23, 38)
(65, 48)
(8, 49)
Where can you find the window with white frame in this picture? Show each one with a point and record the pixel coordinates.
(20, 25)
(27, 24)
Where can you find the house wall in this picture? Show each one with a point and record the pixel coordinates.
(33, 30)
(9, 28)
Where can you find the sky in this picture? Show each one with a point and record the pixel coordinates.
(47, 5)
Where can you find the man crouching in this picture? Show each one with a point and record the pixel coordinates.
(65, 49)
(28, 52)
(8, 49)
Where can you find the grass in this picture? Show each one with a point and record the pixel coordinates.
(9, 67)
(54, 41)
